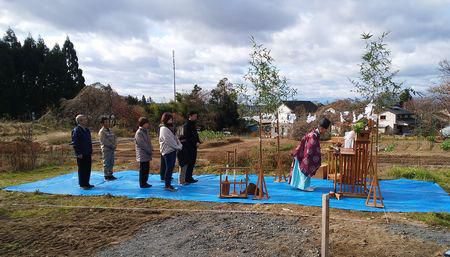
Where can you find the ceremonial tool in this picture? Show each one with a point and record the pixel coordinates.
(238, 185)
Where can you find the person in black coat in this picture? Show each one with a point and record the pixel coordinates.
(190, 140)
(82, 144)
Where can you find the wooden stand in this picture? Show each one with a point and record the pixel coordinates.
(234, 153)
(372, 198)
(236, 185)
(374, 185)
(355, 168)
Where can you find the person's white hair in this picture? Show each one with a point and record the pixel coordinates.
(78, 118)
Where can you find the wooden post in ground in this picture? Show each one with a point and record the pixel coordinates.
(374, 184)
(280, 176)
(261, 188)
(325, 225)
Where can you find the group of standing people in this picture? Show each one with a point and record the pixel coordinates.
(182, 144)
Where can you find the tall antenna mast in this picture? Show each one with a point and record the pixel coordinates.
(174, 85)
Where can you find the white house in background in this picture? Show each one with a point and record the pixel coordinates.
(396, 120)
(288, 111)
(330, 110)
(287, 116)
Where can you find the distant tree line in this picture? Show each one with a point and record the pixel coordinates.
(34, 78)
(218, 108)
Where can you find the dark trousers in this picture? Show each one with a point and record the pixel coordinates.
(84, 170)
(191, 164)
(144, 168)
(162, 168)
(169, 160)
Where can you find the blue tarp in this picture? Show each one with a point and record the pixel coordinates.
(400, 195)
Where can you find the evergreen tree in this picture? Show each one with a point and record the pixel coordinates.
(32, 78)
(12, 74)
(131, 100)
(223, 103)
(75, 80)
(143, 100)
(29, 85)
(42, 88)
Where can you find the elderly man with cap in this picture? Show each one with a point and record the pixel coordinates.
(307, 158)
(82, 144)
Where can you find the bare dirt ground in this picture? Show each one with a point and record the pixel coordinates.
(67, 232)
(210, 229)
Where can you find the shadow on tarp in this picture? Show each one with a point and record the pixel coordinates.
(400, 195)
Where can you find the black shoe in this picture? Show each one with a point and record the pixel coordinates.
(170, 188)
(110, 178)
(191, 181)
(146, 186)
(87, 187)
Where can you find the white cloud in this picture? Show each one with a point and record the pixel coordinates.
(316, 45)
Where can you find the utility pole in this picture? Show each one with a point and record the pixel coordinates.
(174, 85)
(174, 92)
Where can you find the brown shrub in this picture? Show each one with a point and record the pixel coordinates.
(20, 154)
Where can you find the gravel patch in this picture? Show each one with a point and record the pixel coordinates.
(204, 234)
(436, 235)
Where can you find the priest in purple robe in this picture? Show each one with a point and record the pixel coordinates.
(307, 157)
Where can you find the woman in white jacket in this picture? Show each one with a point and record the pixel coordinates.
(168, 146)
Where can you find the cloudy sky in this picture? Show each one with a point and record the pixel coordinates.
(316, 44)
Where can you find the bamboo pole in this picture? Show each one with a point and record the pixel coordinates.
(261, 187)
(280, 176)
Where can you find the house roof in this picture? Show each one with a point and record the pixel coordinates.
(398, 110)
(307, 105)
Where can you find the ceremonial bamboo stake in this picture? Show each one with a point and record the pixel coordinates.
(261, 188)
(280, 176)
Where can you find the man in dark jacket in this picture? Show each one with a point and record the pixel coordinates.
(190, 140)
(82, 144)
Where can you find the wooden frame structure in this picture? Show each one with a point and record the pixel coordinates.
(353, 170)
(226, 185)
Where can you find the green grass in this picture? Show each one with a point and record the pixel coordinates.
(434, 219)
(445, 145)
(440, 176)
(209, 135)
(287, 147)
(389, 148)
(20, 177)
